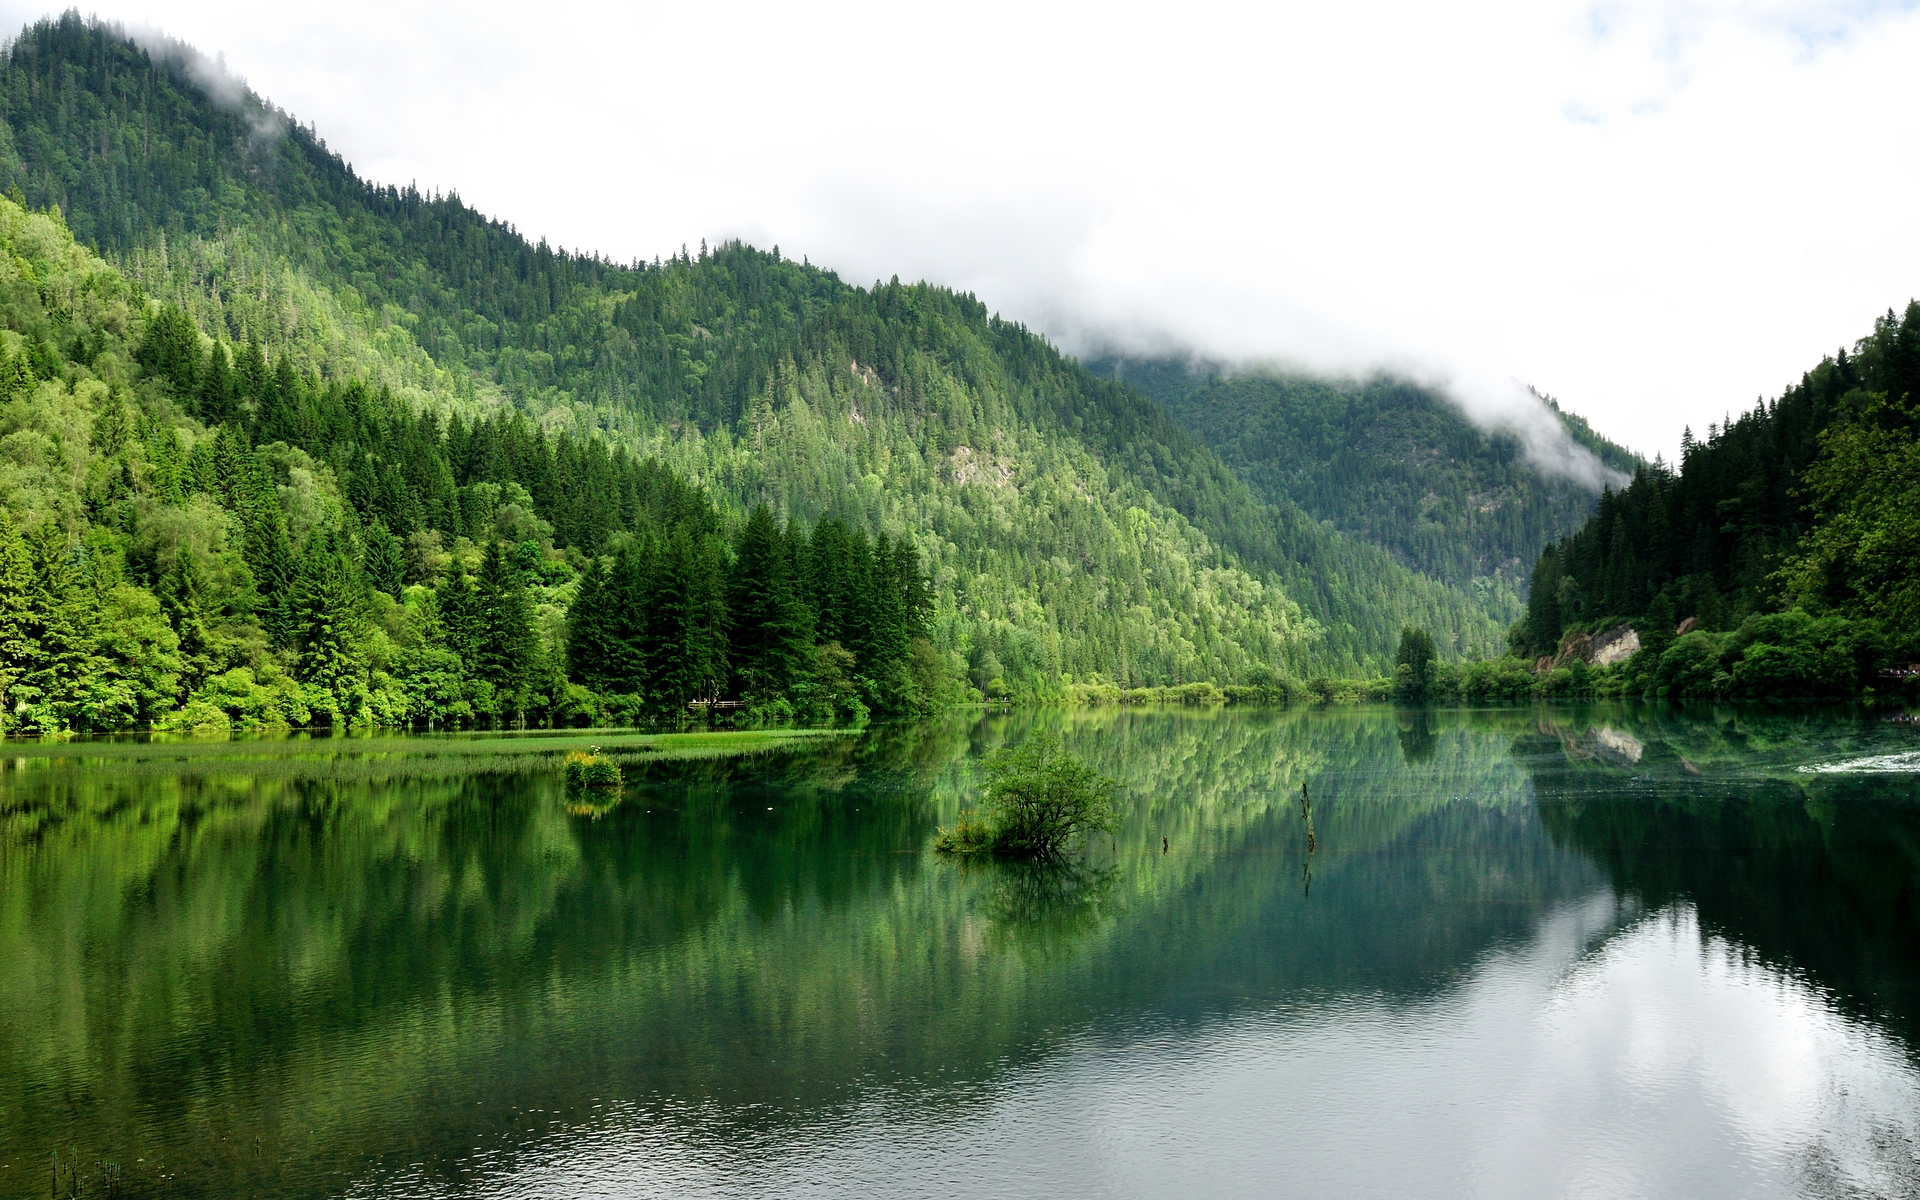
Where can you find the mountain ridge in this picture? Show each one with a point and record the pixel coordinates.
(1388, 461)
(1125, 549)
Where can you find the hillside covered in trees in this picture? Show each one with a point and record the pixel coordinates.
(193, 538)
(1781, 558)
(1071, 531)
(1388, 462)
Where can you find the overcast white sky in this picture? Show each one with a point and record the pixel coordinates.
(1653, 211)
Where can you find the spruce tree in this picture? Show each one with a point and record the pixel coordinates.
(460, 623)
(112, 424)
(669, 680)
(1415, 665)
(180, 599)
(171, 351)
(591, 634)
(251, 377)
(767, 650)
(64, 615)
(1544, 620)
(507, 644)
(326, 615)
(19, 652)
(629, 589)
(384, 560)
(709, 624)
(887, 622)
(278, 417)
(218, 405)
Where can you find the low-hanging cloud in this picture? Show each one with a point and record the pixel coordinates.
(226, 89)
(1609, 200)
(1045, 267)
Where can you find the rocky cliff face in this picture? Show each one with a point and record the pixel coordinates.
(1614, 645)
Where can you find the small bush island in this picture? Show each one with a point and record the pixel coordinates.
(1039, 799)
(592, 770)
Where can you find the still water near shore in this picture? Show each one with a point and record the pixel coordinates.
(1601, 951)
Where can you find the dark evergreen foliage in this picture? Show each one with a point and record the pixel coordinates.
(134, 151)
(1708, 541)
(1388, 461)
(254, 546)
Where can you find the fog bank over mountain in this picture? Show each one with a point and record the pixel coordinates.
(1616, 204)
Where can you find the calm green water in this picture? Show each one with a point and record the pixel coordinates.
(1599, 952)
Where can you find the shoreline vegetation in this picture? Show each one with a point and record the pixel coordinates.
(343, 757)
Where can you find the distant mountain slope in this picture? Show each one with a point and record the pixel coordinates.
(1794, 529)
(1387, 461)
(1076, 530)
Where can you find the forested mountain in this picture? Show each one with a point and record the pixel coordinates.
(192, 538)
(1386, 461)
(1786, 545)
(1070, 529)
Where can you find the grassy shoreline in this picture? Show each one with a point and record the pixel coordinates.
(386, 755)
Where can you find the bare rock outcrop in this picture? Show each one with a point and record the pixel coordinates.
(1615, 645)
(1575, 647)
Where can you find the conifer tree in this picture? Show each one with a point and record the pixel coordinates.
(64, 614)
(669, 682)
(384, 561)
(112, 424)
(218, 404)
(251, 376)
(171, 351)
(326, 613)
(277, 417)
(18, 650)
(708, 626)
(591, 637)
(767, 650)
(507, 645)
(1415, 664)
(886, 641)
(180, 600)
(629, 590)
(16, 375)
(829, 577)
(460, 620)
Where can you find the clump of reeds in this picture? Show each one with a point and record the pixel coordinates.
(966, 836)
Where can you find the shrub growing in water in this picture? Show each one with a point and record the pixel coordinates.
(594, 770)
(1038, 799)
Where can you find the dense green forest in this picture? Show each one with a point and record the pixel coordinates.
(193, 538)
(1781, 558)
(1072, 531)
(1388, 462)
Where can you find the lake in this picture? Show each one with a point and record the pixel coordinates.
(1607, 951)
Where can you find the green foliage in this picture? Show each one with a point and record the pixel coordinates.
(1070, 531)
(1039, 798)
(1388, 462)
(1862, 553)
(158, 571)
(1719, 538)
(591, 769)
(1415, 664)
(1786, 542)
(1771, 656)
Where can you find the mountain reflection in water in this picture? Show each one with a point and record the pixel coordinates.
(1608, 952)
